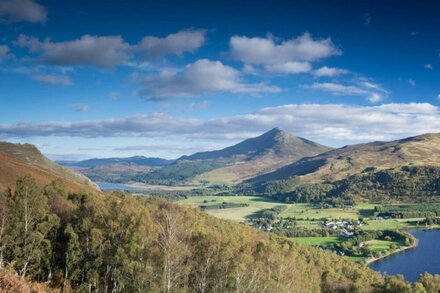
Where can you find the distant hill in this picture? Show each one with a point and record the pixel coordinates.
(376, 166)
(138, 160)
(17, 160)
(236, 163)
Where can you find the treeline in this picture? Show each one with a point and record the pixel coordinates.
(223, 205)
(420, 210)
(407, 183)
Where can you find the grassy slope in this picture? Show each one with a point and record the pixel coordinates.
(340, 163)
(239, 214)
(17, 160)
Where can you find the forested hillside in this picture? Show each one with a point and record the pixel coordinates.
(120, 243)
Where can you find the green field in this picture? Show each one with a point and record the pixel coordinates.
(381, 245)
(239, 214)
(307, 211)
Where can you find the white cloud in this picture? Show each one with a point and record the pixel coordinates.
(22, 10)
(321, 122)
(373, 92)
(173, 44)
(289, 67)
(88, 50)
(428, 66)
(258, 50)
(412, 82)
(202, 76)
(53, 79)
(80, 107)
(329, 71)
(110, 51)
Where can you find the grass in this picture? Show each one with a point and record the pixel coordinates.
(391, 224)
(239, 214)
(381, 245)
(308, 211)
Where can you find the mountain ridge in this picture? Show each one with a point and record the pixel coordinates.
(238, 162)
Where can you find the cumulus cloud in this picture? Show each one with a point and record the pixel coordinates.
(258, 50)
(428, 66)
(322, 122)
(22, 10)
(53, 79)
(110, 51)
(292, 56)
(173, 44)
(202, 76)
(412, 82)
(80, 107)
(329, 71)
(373, 92)
(88, 50)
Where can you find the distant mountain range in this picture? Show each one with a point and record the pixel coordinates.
(17, 160)
(137, 160)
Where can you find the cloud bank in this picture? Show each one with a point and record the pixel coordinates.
(322, 122)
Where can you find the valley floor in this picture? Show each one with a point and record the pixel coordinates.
(308, 216)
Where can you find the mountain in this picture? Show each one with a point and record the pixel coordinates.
(231, 165)
(17, 160)
(137, 160)
(378, 167)
(276, 142)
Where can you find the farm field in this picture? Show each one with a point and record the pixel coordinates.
(239, 214)
(307, 211)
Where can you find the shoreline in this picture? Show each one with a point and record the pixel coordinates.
(374, 259)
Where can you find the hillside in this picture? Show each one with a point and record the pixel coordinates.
(402, 161)
(120, 243)
(17, 160)
(236, 163)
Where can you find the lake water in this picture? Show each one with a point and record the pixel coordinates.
(107, 186)
(413, 262)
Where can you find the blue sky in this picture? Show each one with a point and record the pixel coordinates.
(166, 78)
